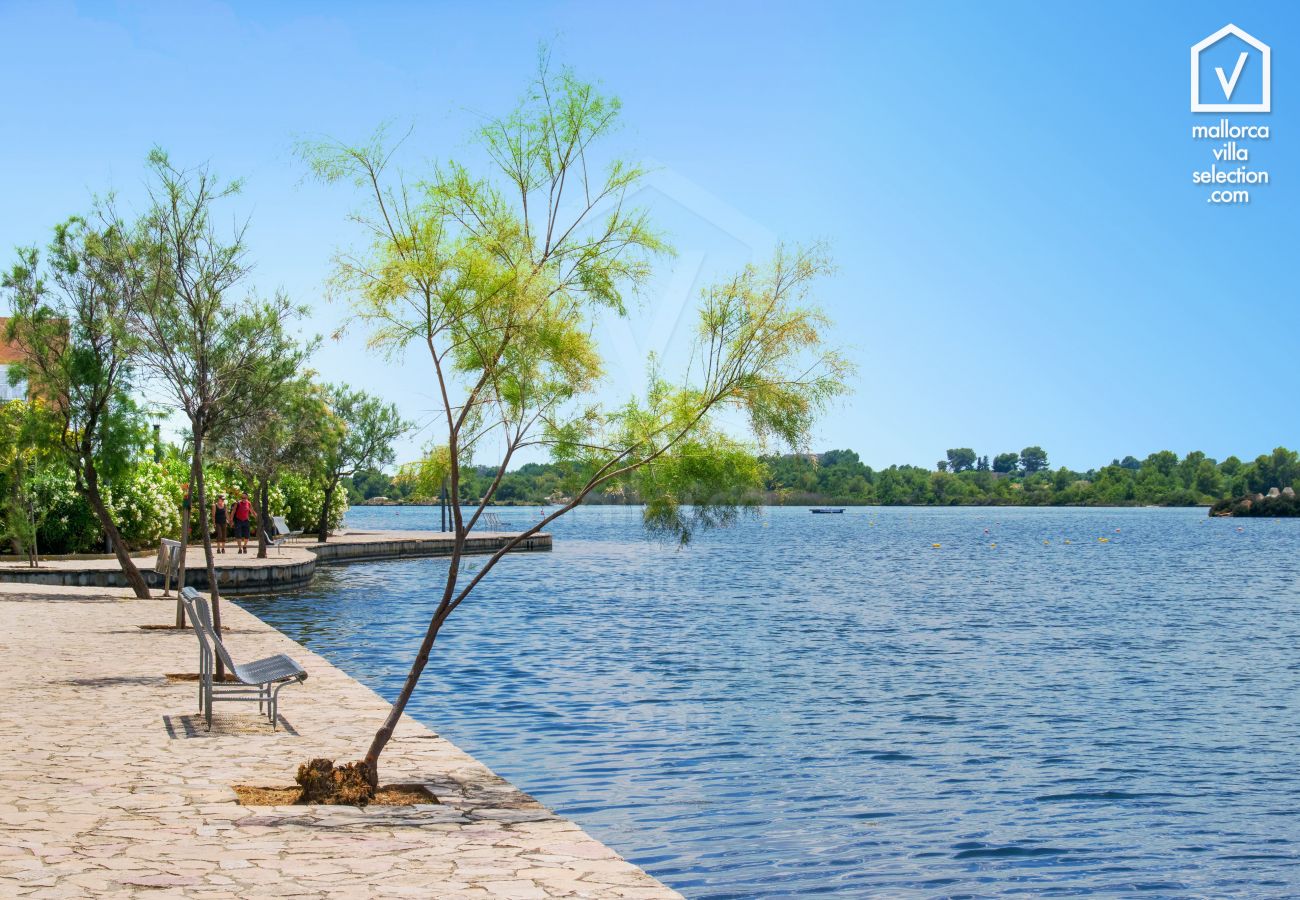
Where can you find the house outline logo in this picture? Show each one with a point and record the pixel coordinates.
(1229, 82)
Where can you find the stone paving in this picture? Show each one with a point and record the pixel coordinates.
(289, 565)
(111, 787)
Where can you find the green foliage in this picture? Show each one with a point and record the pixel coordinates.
(66, 523)
(146, 503)
(1006, 462)
(27, 439)
(1266, 507)
(961, 459)
(426, 478)
(145, 500)
(1033, 459)
(1161, 479)
(70, 315)
(701, 483)
(363, 428)
(302, 498)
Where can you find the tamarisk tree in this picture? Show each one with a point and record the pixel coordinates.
(69, 322)
(217, 355)
(498, 280)
(364, 430)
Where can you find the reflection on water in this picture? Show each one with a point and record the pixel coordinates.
(830, 706)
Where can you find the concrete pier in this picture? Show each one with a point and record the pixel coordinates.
(291, 565)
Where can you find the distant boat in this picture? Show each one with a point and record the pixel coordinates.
(827, 510)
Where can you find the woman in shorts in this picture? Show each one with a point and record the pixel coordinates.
(220, 517)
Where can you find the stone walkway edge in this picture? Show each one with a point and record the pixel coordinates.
(111, 787)
(287, 566)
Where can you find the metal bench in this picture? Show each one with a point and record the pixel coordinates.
(279, 533)
(259, 681)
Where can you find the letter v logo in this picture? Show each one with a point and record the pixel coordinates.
(1229, 85)
(1263, 70)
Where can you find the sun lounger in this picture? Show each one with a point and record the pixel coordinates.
(259, 681)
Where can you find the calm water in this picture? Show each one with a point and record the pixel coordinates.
(810, 706)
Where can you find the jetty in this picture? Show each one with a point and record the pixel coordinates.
(288, 566)
(112, 786)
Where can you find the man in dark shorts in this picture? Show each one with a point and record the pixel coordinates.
(243, 512)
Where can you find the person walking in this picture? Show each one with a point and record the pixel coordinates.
(219, 521)
(243, 512)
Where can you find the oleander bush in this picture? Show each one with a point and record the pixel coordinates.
(64, 521)
(146, 504)
(303, 498)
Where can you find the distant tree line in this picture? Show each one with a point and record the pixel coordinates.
(962, 478)
(1026, 479)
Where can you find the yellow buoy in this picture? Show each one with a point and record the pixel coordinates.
(936, 546)
(1103, 540)
(1045, 543)
(992, 545)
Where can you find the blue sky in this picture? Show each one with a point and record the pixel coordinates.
(1006, 187)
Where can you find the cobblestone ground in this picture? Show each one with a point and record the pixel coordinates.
(111, 787)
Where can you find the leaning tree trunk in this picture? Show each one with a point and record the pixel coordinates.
(90, 489)
(323, 532)
(385, 732)
(207, 553)
(263, 513)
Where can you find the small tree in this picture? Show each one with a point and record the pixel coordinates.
(365, 428)
(499, 282)
(215, 354)
(425, 478)
(27, 439)
(70, 325)
(1033, 459)
(290, 431)
(1006, 462)
(961, 459)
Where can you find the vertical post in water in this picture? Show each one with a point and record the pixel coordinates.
(442, 503)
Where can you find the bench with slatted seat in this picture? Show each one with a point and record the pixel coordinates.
(260, 681)
(280, 533)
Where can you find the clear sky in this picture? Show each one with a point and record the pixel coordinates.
(1006, 187)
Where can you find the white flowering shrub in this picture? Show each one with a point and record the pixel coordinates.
(146, 504)
(302, 499)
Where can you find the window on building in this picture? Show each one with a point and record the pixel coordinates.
(9, 391)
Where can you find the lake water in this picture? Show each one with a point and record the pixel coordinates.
(807, 706)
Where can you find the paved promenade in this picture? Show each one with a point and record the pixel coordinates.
(110, 787)
(290, 565)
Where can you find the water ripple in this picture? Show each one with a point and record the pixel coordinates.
(808, 706)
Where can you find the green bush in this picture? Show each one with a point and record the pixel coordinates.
(146, 505)
(302, 499)
(65, 522)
